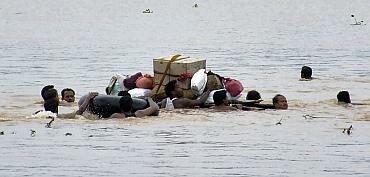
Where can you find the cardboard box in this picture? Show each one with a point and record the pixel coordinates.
(183, 64)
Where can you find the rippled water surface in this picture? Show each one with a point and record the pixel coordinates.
(263, 43)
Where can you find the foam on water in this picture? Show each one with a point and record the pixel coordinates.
(260, 42)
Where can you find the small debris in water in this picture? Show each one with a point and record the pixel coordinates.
(68, 134)
(307, 116)
(279, 123)
(90, 135)
(348, 130)
(48, 125)
(33, 132)
(2, 133)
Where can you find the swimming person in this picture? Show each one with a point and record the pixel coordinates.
(253, 102)
(51, 99)
(127, 111)
(68, 95)
(51, 102)
(221, 101)
(253, 95)
(306, 73)
(280, 102)
(343, 97)
(175, 97)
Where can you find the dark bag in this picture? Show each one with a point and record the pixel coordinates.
(130, 83)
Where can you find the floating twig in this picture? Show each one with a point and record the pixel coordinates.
(33, 132)
(68, 134)
(48, 125)
(348, 130)
(307, 116)
(279, 123)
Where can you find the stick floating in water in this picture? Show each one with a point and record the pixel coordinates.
(33, 132)
(348, 130)
(279, 123)
(48, 125)
(357, 22)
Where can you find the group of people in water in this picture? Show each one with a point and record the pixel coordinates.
(127, 106)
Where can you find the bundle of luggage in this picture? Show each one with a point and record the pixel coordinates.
(190, 73)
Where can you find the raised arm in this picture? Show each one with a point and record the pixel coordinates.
(82, 108)
(203, 98)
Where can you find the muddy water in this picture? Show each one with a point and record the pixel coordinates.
(81, 44)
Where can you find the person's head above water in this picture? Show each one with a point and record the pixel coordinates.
(343, 96)
(306, 72)
(280, 102)
(173, 90)
(125, 103)
(50, 94)
(253, 95)
(44, 89)
(51, 100)
(220, 98)
(68, 95)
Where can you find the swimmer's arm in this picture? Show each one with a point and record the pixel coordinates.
(85, 104)
(153, 107)
(198, 102)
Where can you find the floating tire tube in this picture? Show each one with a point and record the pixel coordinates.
(106, 105)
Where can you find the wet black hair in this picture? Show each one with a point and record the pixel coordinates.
(50, 94)
(253, 95)
(218, 97)
(170, 87)
(306, 72)
(343, 96)
(275, 99)
(124, 93)
(51, 100)
(66, 90)
(44, 89)
(125, 103)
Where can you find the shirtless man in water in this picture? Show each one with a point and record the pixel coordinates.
(221, 101)
(280, 102)
(51, 102)
(68, 95)
(127, 111)
(345, 99)
(306, 73)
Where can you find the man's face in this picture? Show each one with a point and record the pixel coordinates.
(69, 96)
(281, 103)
